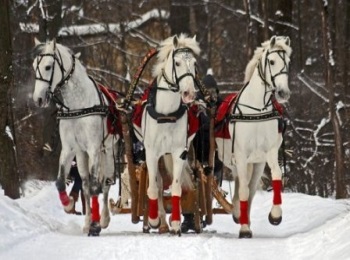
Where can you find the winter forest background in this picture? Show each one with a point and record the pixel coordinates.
(113, 36)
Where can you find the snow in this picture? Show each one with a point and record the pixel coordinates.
(35, 227)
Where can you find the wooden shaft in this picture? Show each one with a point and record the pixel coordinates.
(131, 167)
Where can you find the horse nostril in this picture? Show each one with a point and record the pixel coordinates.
(186, 93)
(40, 102)
(280, 93)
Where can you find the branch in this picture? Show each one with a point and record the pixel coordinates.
(303, 80)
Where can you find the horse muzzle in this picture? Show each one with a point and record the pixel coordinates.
(282, 96)
(187, 97)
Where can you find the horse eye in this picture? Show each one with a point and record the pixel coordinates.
(272, 62)
(48, 67)
(177, 63)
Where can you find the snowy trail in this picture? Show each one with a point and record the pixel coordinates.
(35, 227)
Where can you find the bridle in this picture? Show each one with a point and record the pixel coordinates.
(57, 58)
(175, 86)
(262, 67)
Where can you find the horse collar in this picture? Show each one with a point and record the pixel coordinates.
(170, 118)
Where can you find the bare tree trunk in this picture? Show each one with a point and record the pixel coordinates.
(263, 9)
(346, 48)
(9, 178)
(282, 12)
(330, 64)
(300, 52)
(249, 48)
(179, 19)
(51, 19)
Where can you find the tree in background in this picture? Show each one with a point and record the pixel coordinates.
(9, 177)
(328, 51)
(113, 36)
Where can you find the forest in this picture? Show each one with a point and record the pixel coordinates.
(113, 37)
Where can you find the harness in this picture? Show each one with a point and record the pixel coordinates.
(65, 112)
(266, 116)
(273, 114)
(174, 87)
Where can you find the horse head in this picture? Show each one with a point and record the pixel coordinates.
(274, 66)
(178, 65)
(51, 66)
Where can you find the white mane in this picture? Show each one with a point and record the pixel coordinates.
(280, 44)
(167, 46)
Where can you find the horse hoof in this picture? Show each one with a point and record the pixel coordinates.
(275, 221)
(245, 234)
(95, 229)
(163, 229)
(154, 226)
(175, 232)
(69, 209)
(236, 220)
(145, 230)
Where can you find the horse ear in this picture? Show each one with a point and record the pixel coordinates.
(272, 41)
(194, 38)
(77, 55)
(36, 41)
(287, 41)
(175, 41)
(52, 44)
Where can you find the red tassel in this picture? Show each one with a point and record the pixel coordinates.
(277, 188)
(64, 198)
(244, 213)
(153, 209)
(175, 214)
(95, 209)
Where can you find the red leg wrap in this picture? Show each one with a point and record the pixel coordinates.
(277, 188)
(175, 214)
(244, 213)
(64, 198)
(95, 209)
(153, 209)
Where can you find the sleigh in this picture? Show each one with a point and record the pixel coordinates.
(197, 200)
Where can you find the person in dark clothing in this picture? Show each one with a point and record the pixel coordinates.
(201, 144)
(77, 187)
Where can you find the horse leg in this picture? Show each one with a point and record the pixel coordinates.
(95, 189)
(63, 171)
(163, 228)
(107, 165)
(235, 201)
(152, 191)
(105, 217)
(275, 216)
(82, 162)
(176, 190)
(244, 175)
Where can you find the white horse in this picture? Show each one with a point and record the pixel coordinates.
(255, 137)
(165, 123)
(82, 112)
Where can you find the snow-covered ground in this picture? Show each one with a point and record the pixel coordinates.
(35, 227)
